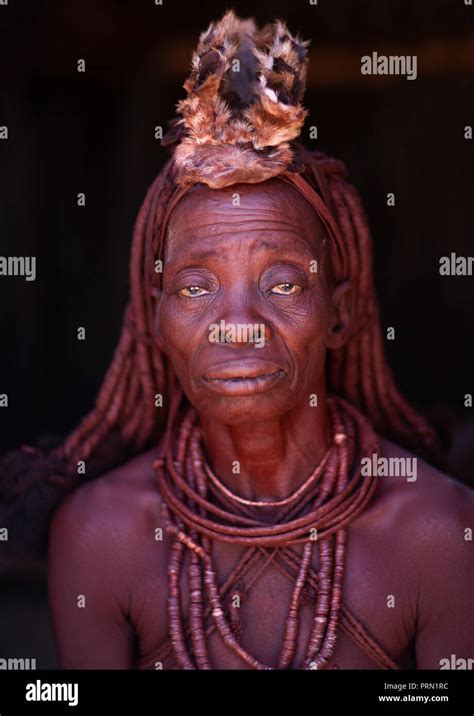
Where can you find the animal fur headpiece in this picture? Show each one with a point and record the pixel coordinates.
(243, 112)
(243, 104)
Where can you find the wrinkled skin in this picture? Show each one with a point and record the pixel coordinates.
(250, 264)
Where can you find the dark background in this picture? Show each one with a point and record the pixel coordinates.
(93, 132)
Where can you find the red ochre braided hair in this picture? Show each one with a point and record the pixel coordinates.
(226, 133)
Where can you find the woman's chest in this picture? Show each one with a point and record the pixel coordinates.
(267, 615)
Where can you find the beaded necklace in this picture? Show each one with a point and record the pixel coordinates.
(315, 515)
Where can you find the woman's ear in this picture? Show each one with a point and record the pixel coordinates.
(343, 306)
(158, 338)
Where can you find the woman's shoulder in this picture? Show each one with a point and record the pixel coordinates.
(117, 509)
(419, 505)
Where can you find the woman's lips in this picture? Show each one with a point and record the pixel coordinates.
(243, 377)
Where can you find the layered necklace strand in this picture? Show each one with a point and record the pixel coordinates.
(315, 515)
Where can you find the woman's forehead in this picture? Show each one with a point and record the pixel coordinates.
(273, 192)
(272, 206)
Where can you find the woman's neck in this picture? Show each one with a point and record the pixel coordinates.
(268, 460)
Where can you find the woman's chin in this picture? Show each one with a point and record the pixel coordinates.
(243, 409)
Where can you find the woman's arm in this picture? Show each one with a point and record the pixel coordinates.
(86, 586)
(445, 629)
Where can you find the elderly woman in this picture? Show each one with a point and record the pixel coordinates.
(266, 518)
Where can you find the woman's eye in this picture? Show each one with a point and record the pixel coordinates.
(192, 291)
(286, 289)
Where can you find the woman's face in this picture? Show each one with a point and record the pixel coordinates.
(246, 312)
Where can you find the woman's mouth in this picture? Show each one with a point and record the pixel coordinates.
(243, 377)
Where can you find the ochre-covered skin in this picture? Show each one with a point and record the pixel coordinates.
(408, 544)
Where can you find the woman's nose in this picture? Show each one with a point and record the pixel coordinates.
(241, 322)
